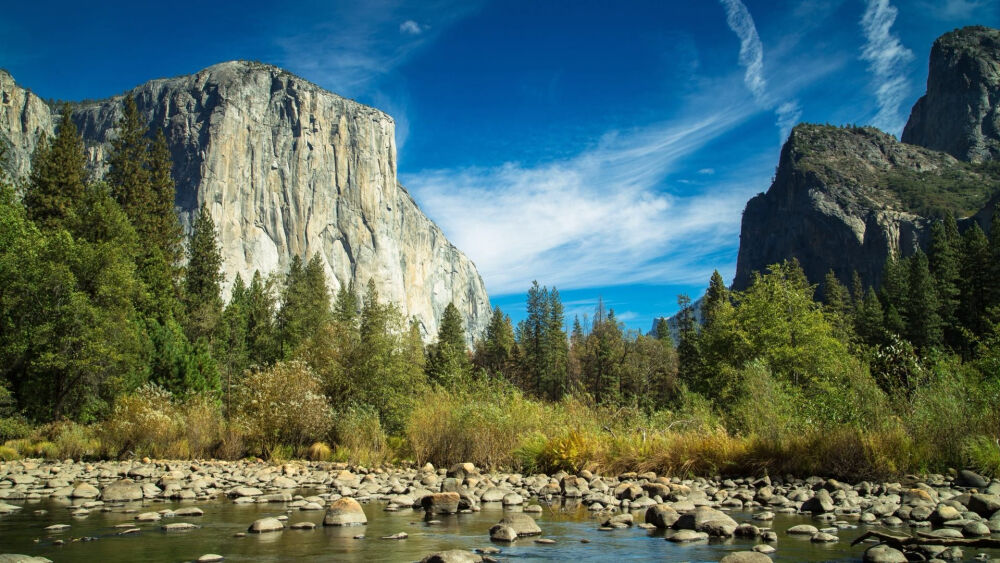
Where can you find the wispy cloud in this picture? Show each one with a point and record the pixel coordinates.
(601, 218)
(411, 27)
(751, 49)
(887, 61)
(352, 46)
(752, 60)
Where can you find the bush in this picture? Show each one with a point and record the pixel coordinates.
(14, 427)
(360, 438)
(319, 451)
(9, 454)
(281, 405)
(75, 441)
(479, 421)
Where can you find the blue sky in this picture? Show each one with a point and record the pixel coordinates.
(604, 148)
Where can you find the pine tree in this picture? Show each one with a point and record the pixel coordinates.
(894, 294)
(689, 361)
(448, 360)
(532, 336)
(715, 298)
(262, 345)
(164, 227)
(203, 279)
(346, 306)
(976, 267)
(495, 351)
(838, 307)
(924, 323)
(128, 169)
(58, 179)
(232, 351)
(943, 263)
(869, 322)
(557, 348)
(305, 303)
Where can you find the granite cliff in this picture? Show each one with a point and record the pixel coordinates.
(286, 168)
(845, 198)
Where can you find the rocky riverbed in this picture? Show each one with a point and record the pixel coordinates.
(483, 515)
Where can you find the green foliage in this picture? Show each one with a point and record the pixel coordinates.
(939, 193)
(179, 366)
(58, 179)
(305, 303)
(203, 279)
(496, 352)
(282, 405)
(448, 360)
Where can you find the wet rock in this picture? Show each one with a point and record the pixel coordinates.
(441, 503)
(502, 533)
(521, 523)
(745, 557)
(984, 505)
(85, 490)
(210, 558)
(345, 512)
(189, 511)
(397, 536)
(303, 526)
(452, 556)
(18, 558)
(883, 554)
(684, 536)
(968, 478)
(802, 530)
(177, 527)
(148, 517)
(265, 525)
(764, 548)
(124, 490)
(662, 516)
(823, 537)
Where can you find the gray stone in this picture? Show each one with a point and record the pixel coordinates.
(441, 503)
(452, 556)
(662, 516)
(210, 558)
(802, 530)
(124, 490)
(521, 523)
(883, 554)
(345, 512)
(959, 113)
(502, 533)
(745, 557)
(684, 536)
(85, 490)
(177, 527)
(984, 505)
(265, 525)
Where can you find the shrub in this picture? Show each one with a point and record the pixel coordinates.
(75, 441)
(319, 451)
(143, 423)
(8, 453)
(281, 405)
(14, 427)
(359, 436)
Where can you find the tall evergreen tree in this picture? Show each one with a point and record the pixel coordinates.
(163, 226)
(346, 305)
(922, 306)
(838, 306)
(203, 279)
(495, 352)
(448, 360)
(943, 256)
(869, 322)
(58, 179)
(976, 267)
(261, 341)
(532, 336)
(715, 299)
(688, 354)
(557, 348)
(894, 294)
(305, 303)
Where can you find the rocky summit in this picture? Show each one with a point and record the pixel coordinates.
(286, 169)
(846, 198)
(960, 114)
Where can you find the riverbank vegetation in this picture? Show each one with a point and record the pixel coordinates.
(115, 342)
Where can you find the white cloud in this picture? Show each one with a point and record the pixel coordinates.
(598, 219)
(352, 46)
(410, 27)
(751, 49)
(752, 60)
(707, 171)
(887, 61)
(788, 115)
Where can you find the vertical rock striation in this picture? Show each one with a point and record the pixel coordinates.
(960, 113)
(289, 169)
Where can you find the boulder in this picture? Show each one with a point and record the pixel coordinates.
(502, 533)
(345, 512)
(521, 523)
(745, 557)
(265, 525)
(124, 490)
(883, 554)
(452, 556)
(441, 503)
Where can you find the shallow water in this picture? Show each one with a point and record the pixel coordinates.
(24, 532)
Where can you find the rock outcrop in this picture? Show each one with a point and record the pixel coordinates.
(960, 114)
(24, 117)
(846, 198)
(286, 169)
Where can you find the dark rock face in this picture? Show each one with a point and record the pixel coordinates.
(960, 114)
(847, 198)
(827, 207)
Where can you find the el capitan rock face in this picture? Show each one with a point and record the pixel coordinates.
(285, 168)
(960, 114)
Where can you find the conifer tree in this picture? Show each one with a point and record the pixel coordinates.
(868, 321)
(345, 306)
(895, 293)
(838, 307)
(164, 227)
(662, 329)
(557, 348)
(943, 256)
(924, 322)
(203, 279)
(261, 338)
(976, 267)
(495, 351)
(305, 303)
(688, 355)
(715, 298)
(58, 179)
(128, 169)
(447, 361)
